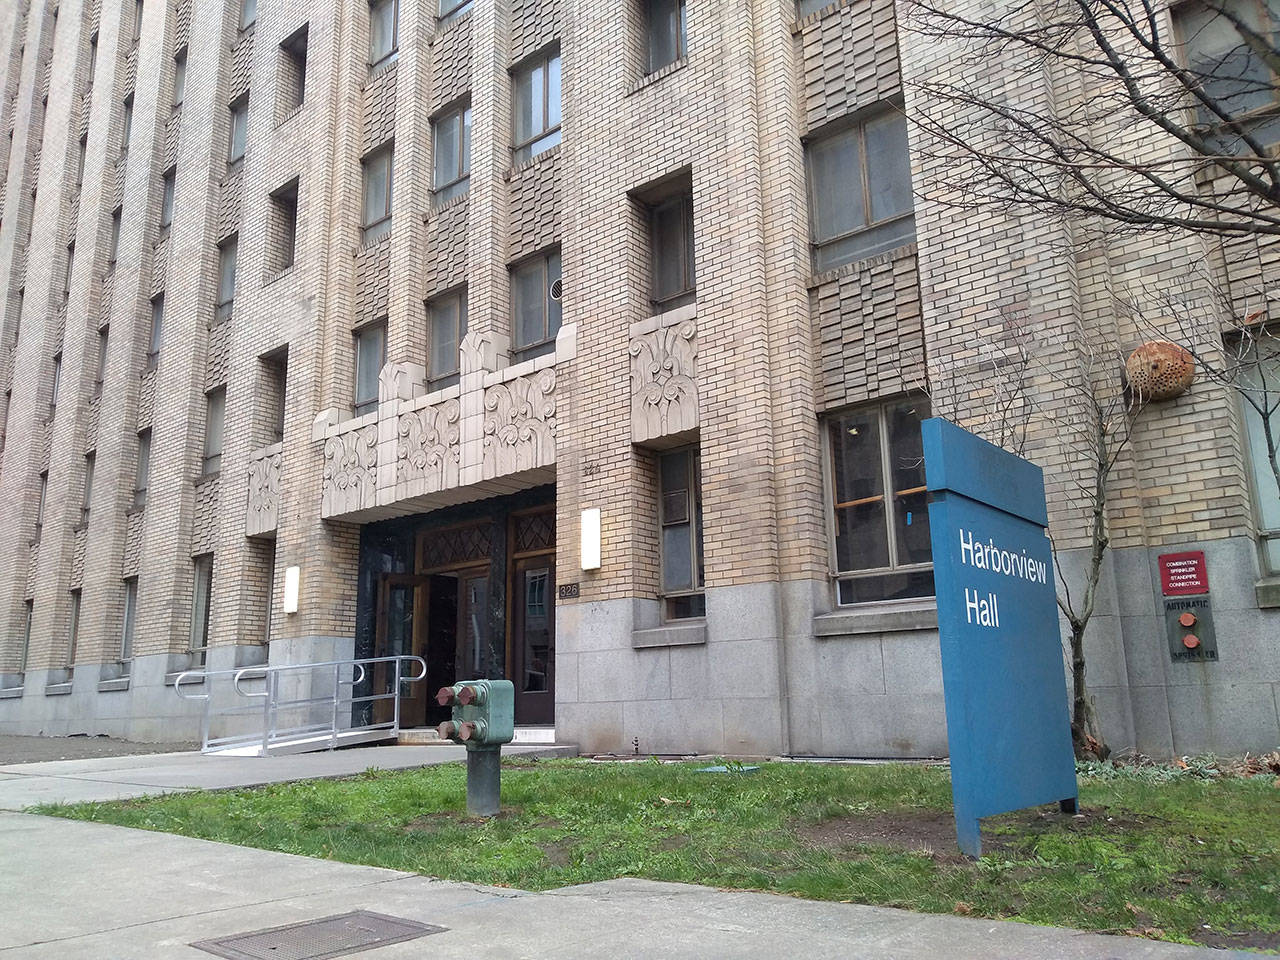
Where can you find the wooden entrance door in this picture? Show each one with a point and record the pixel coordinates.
(533, 639)
(402, 605)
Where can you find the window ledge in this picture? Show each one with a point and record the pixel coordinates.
(186, 677)
(288, 116)
(10, 693)
(119, 683)
(280, 274)
(850, 622)
(1268, 593)
(203, 478)
(660, 321)
(57, 689)
(384, 66)
(649, 79)
(679, 634)
(135, 510)
(537, 158)
(858, 266)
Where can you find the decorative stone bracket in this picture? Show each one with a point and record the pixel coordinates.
(263, 478)
(664, 384)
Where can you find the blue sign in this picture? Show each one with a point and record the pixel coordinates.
(1003, 679)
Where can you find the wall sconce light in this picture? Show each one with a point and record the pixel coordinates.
(591, 539)
(291, 578)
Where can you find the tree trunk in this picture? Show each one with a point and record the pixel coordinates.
(1086, 733)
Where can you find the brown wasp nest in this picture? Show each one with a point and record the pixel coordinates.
(1159, 370)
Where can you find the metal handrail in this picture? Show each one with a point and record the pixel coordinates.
(319, 734)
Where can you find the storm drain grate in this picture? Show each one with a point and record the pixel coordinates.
(321, 939)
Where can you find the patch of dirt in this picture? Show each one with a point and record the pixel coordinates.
(558, 852)
(933, 832)
(674, 842)
(1238, 941)
(927, 831)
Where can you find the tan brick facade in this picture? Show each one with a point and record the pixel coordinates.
(747, 372)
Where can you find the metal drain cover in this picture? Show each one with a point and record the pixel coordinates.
(321, 939)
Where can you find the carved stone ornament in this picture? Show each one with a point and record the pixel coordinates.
(1160, 370)
(264, 495)
(520, 424)
(427, 446)
(664, 389)
(350, 471)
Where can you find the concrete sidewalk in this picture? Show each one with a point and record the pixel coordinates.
(86, 891)
(25, 785)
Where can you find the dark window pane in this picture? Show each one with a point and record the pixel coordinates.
(682, 608)
(553, 305)
(446, 149)
(529, 296)
(677, 557)
(553, 92)
(888, 166)
(664, 27)
(837, 203)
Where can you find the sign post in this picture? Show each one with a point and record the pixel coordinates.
(1008, 728)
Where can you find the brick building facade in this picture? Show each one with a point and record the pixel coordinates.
(385, 295)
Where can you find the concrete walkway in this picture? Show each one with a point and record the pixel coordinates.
(25, 785)
(88, 891)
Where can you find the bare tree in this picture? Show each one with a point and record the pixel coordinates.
(1114, 117)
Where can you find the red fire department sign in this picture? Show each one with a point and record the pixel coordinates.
(1183, 574)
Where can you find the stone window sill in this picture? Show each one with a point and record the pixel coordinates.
(280, 274)
(119, 683)
(10, 693)
(1268, 593)
(288, 116)
(686, 633)
(57, 689)
(851, 622)
(187, 679)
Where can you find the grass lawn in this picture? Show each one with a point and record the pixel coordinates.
(1187, 859)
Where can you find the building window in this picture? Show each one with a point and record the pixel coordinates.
(201, 601)
(671, 245)
(535, 298)
(860, 190)
(384, 30)
(452, 9)
(284, 226)
(666, 32)
(157, 331)
(117, 217)
(239, 126)
(451, 136)
(448, 320)
(100, 371)
(130, 619)
(371, 354)
(537, 107)
(93, 58)
(179, 77)
(215, 413)
(275, 370)
(40, 503)
(26, 636)
(82, 154)
(680, 525)
(248, 13)
(73, 635)
(377, 192)
(880, 513)
(227, 277)
(806, 7)
(142, 472)
(1229, 69)
(71, 266)
(56, 387)
(126, 126)
(1262, 380)
(89, 461)
(293, 72)
(167, 186)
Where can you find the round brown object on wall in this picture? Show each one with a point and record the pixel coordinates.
(1160, 370)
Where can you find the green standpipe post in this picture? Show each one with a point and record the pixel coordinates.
(483, 720)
